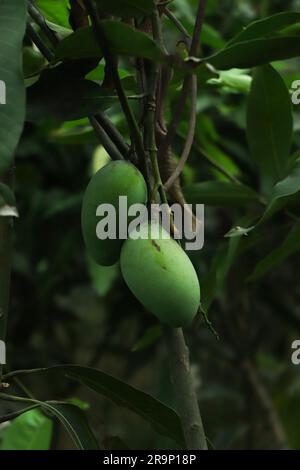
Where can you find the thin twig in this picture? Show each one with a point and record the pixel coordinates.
(184, 391)
(40, 44)
(113, 133)
(15, 414)
(195, 43)
(189, 139)
(40, 20)
(216, 165)
(109, 146)
(110, 60)
(266, 404)
(177, 23)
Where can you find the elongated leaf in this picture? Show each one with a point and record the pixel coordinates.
(270, 122)
(65, 97)
(162, 418)
(255, 52)
(126, 8)
(30, 431)
(56, 11)
(283, 192)
(123, 39)
(290, 245)
(220, 193)
(12, 90)
(73, 419)
(266, 26)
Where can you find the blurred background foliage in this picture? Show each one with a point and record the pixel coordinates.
(65, 309)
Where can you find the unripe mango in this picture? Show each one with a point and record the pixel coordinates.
(106, 186)
(162, 277)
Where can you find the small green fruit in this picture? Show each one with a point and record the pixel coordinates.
(106, 186)
(162, 277)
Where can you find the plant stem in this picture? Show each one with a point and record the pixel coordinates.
(40, 20)
(195, 43)
(104, 139)
(113, 133)
(110, 61)
(189, 139)
(36, 39)
(184, 391)
(177, 23)
(6, 244)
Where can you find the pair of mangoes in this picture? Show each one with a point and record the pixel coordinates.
(157, 271)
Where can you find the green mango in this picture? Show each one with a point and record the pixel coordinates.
(161, 276)
(106, 186)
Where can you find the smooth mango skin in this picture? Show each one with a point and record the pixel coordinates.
(162, 278)
(115, 179)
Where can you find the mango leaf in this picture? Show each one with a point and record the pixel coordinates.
(29, 431)
(253, 53)
(220, 194)
(12, 89)
(65, 97)
(266, 26)
(283, 192)
(270, 122)
(7, 202)
(234, 79)
(74, 421)
(56, 11)
(289, 246)
(123, 40)
(126, 8)
(162, 418)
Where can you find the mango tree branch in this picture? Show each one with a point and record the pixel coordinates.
(113, 133)
(184, 391)
(193, 51)
(104, 139)
(40, 20)
(110, 61)
(189, 139)
(182, 381)
(36, 39)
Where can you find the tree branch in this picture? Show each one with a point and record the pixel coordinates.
(195, 43)
(113, 133)
(110, 60)
(184, 392)
(41, 22)
(190, 136)
(104, 139)
(36, 39)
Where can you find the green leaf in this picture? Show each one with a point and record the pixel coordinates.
(289, 246)
(253, 53)
(266, 26)
(220, 193)
(234, 79)
(65, 97)
(30, 431)
(270, 122)
(7, 202)
(56, 11)
(126, 8)
(123, 40)
(74, 421)
(283, 192)
(12, 89)
(162, 418)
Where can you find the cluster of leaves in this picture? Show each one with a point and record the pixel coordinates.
(244, 166)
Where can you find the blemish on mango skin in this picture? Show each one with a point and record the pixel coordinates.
(156, 245)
